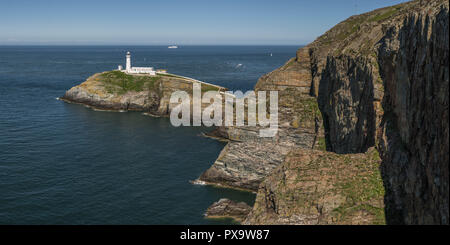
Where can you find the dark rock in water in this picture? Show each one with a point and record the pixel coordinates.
(225, 208)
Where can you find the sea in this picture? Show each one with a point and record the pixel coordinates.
(66, 164)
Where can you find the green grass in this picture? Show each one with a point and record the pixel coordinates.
(365, 188)
(352, 26)
(169, 75)
(207, 87)
(310, 109)
(290, 62)
(378, 213)
(385, 15)
(322, 144)
(119, 82)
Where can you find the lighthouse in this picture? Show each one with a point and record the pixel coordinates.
(135, 70)
(128, 62)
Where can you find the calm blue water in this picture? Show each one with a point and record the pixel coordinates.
(65, 164)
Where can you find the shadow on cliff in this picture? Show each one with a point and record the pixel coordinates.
(346, 96)
(413, 142)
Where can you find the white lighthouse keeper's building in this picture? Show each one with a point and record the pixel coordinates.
(135, 70)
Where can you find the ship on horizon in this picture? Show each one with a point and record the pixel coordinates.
(173, 46)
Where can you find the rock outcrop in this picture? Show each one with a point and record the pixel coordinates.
(115, 90)
(414, 138)
(346, 100)
(317, 187)
(247, 158)
(225, 208)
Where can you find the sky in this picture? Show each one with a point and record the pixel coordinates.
(181, 22)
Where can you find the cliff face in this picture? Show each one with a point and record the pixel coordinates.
(407, 68)
(346, 100)
(380, 79)
(414, 64)
(346, 78)
(247, 158)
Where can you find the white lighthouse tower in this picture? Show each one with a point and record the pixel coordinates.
(136, 70)
(128, 62)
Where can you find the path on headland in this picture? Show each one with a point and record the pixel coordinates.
(190, 79)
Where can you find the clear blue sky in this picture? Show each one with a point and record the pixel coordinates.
(226, 22)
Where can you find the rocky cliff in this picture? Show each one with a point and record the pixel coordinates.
(247, 158)
(414, 137)
(318, 187)
(386, 84)
(380, 79)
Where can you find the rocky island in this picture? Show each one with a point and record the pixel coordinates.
(363, 124)
(119, 91)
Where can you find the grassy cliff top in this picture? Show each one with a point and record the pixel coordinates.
(118, 82)
(359, 34)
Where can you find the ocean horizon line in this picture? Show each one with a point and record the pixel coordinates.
(147, 45)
